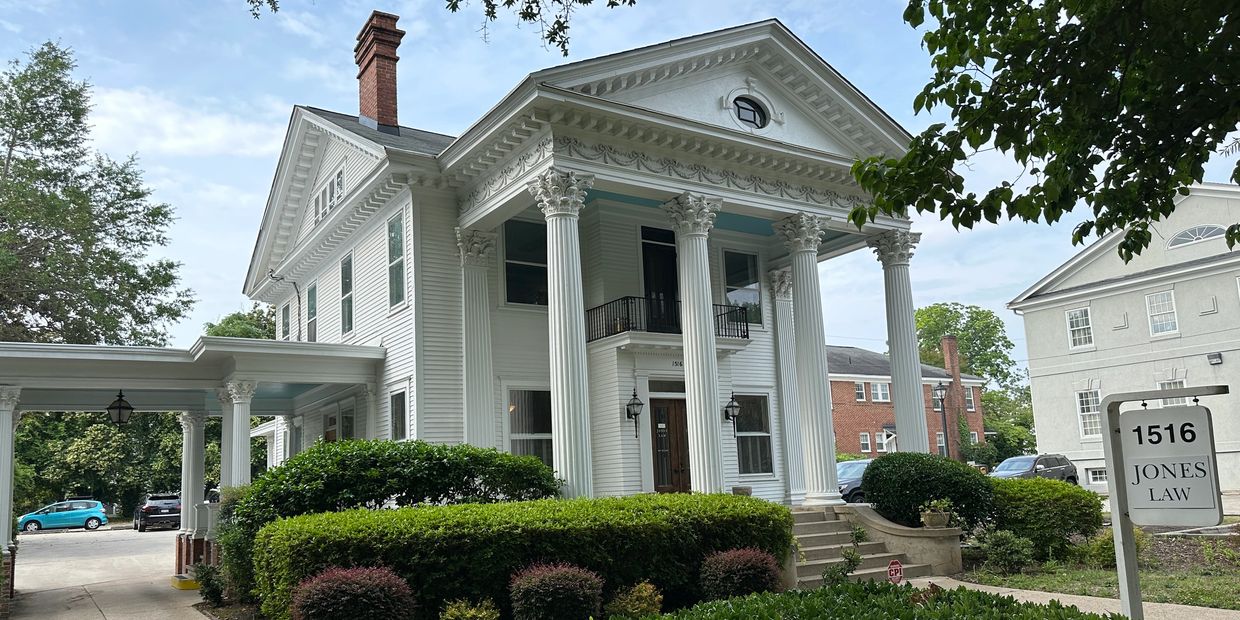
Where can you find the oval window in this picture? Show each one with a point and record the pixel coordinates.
(750, 112)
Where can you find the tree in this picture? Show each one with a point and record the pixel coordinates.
(1008, 417)
(1111, 103)
(985, 349)
(75, 226)
(258, 322)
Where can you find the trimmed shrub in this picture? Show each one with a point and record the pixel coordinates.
(881, 601)
(1047, 512)
(470, 551)
(1006, 552)
(356, 593)
(339, 475)
(638, 601)
(555, 591)
(899, 483)
(738, 572)
(464, 610)
(1099, 550)
(210, 584)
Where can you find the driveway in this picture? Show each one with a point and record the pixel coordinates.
(106, 574)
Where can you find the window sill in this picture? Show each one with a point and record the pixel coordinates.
(530, 308)
(1166, 336)
(758, 477)
(1086, 349)
(398, 308)
(1092, 439)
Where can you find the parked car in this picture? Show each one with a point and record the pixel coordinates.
(848, 474)
(158, 509)
(1054, 466)
(84, 513)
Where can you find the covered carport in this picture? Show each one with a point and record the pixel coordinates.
(229, 377)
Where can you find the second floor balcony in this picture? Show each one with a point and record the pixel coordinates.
(641, 314)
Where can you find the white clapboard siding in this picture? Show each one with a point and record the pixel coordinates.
(440, 412)
(334, 153)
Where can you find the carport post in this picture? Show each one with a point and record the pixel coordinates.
(8, 427)
(241, 393)
(226, 418)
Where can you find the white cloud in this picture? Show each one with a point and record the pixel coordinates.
(150, 122)
(305, 25)
(10, 26)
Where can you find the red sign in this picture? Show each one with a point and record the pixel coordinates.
(895, 572)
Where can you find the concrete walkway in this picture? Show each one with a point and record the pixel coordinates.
(1153, 611)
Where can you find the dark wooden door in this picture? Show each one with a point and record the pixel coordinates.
(670, 433)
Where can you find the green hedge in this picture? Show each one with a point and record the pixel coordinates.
(471, 551)
(880, 601)
(1047, 512)
(332, 476)
(899, 483)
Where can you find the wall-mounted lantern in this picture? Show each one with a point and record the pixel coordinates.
(120, 409)
(633, 409)
(732, 410)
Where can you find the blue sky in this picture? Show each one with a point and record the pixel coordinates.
(201, 92)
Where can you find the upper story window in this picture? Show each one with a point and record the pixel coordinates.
(346, 294)
(880, 392)
(1080, 330)
(312, 313)
(969, 403)
(741, 284)
(1161, 308)
(1089, 411)
(750, 112)
(327, 197)
(396, 260)
(284, 322)
(525, 262)
(1195, 234)
(860, 390)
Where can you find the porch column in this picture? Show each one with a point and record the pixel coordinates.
(802, 234)
(193, 464)
(692, 217)
(894, 249)
(560, 195)
(242, 392)
(476, 248)
(225, 400)
(786, 371)
(9, 396)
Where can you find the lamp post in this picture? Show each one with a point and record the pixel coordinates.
(633, 409)
(120, 409)
(940, 394)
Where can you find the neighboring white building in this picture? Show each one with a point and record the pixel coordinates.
(1169, 318)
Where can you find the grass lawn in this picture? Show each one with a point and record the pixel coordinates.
(1194, 587)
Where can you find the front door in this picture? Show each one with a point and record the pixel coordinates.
(670, 434)
(662, 284)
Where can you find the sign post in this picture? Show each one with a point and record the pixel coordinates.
(1165, 459)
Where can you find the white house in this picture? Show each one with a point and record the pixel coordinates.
(1170, 318)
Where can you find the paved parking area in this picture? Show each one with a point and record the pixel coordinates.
(101, 575)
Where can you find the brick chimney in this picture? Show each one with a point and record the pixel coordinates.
(953, 403)
(376, 58)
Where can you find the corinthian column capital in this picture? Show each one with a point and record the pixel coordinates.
(560, 192)
(475, 246)
(781, 283)
(693, 214)
(9, 395)
(241, 391)
(894, 247)
(801, 231)
(190, 419)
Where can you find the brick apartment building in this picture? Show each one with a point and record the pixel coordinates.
(862, 407)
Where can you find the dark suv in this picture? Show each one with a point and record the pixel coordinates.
(1054, 466)
(158, 509)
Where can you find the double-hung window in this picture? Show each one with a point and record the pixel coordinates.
(864, 439)
(1096, 476)
(1161, 308)
(860, 390)
(396, 260)
(753, 436)
(529, 418)
(880, 392)
(880, 441)
(312, 313)
(741, 284)
(940, 441)
(525, 262)
(396, 409)
(346, 294)
(969, 404)
(1172, 385)
(1080, 329)
(1089, 412)
(294, 440)
(284, 322)
(973, 437)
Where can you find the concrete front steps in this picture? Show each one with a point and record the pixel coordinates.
(822, 538)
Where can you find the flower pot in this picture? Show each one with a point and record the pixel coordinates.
(935, 519)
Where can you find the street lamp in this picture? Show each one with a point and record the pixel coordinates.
(940, 394)
(120, 409)
(633, 409)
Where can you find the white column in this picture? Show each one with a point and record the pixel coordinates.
(561, 196)
(9, 396)
(786, 371)
(242, 392)
(225, 399)
(693, 216)
(476, 248)
(894, 249)
(802, 234)
(193, 465)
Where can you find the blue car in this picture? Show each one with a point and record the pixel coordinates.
(85, 513)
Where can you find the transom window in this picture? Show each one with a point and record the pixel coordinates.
(880, 392)
(1172, 385)
(1087, 409)
(396, 260)
(525, 262)
(1195, 234)
(753, 436)
(741, 284)
(1161, 308)
(529, 423)
(1080, 331)
(865, 442)
(346, 294)
(750, 112)
(860, 390)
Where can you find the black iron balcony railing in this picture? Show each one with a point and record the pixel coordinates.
(641, 314)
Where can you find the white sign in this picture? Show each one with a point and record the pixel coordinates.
(1169, 466)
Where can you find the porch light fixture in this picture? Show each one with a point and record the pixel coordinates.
(732, 410)
(633, 409)
(120, 409)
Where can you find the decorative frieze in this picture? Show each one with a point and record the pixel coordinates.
(801, 231)
(475, 247)
(894, 247)
(781, 283)
(693, 214)
(515, 169)
(560, 192)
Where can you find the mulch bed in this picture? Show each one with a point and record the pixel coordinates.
(230, 612)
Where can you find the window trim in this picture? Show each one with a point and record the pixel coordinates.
(970, 403)
(1214, 231)
(348, 296)
(399, 260)
(1080, 414)
(885, 392)
(1089, 328)
(880, 446)
(1090, 475)
(1174, 312)
(398, 390)
(769, 434)
(503, 266)
(859, 391)
(863, 440)
(973, 436)
(723, 279)
(506, 390)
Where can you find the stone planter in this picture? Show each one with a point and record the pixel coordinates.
(935, 519)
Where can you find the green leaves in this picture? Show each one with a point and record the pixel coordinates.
(985, 349)
(551, 16)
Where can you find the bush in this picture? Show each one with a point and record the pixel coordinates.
(1047, 512)
(899, 483)
(1006, 552)
(560, 591)
(881, 601)
(841, 457)
(638, 601)
(464, 610)
(470, 551)
(356, 593)
(210, 584)
(1099, 550)
(333, 476)
(738, 572)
